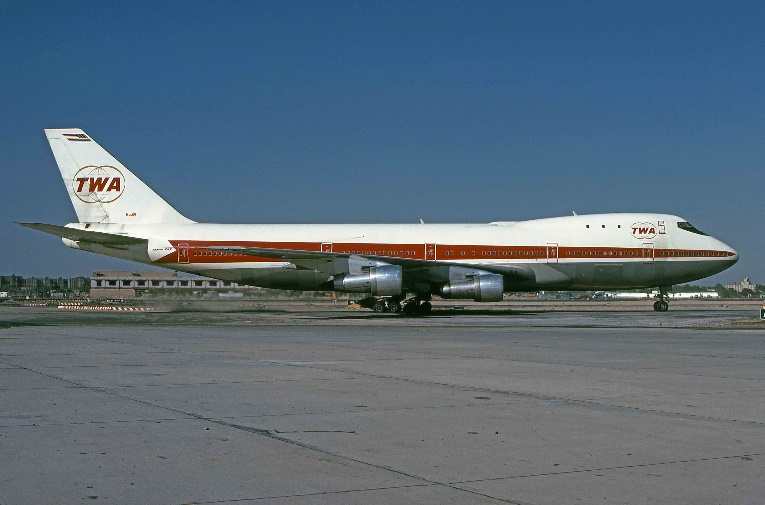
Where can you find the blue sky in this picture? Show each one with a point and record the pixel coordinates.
(277, 112)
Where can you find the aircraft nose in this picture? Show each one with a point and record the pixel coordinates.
(734, 255)
(725, 257)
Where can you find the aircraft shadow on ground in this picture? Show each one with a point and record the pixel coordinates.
(438, 313)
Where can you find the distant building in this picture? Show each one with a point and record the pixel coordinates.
(125, 284)
(745, 284)
(79, 284)
(655, 294)
(59, 287)
(11, 282)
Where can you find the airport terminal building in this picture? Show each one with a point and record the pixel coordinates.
(127, 285)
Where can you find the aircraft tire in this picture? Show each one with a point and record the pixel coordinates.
(379, 306)
(661, 306)
(425, 308)
(394, 307)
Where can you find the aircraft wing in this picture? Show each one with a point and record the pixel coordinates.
(332, 263)
(95, 237)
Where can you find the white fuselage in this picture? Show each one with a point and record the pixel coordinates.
(599, 251)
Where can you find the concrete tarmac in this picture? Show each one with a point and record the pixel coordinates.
(346, 407)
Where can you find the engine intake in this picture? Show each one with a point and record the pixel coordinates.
(481, 288)
(384, 280)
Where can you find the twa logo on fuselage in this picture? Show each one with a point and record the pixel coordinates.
(93, 184)
(644, 230)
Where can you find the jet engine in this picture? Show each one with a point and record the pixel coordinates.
(481, 288)
(380, 280)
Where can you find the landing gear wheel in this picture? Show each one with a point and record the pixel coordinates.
(410, 308)
(379, 306)
(394, 307)
(662, 305)
(425, 308)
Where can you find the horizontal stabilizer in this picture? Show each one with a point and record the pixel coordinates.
(95, 237)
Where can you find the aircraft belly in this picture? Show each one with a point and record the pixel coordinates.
(585, 275)
(614, 275)
(272, 278)
(547, 277)
(136, 252)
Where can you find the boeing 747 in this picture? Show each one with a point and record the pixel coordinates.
(399, 267)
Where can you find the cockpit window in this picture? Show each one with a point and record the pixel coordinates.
(683, 225)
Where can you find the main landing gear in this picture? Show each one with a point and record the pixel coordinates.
(396, 304)
(661, 305)
(417, 306)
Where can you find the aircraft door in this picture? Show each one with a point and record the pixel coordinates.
(183, 253)
(430, 252)
(648, 253)
(552, 252)
(326, 247)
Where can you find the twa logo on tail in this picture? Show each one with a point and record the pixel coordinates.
(644, 230)
(93, 184)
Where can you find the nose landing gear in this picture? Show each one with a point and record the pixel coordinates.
(661, 305)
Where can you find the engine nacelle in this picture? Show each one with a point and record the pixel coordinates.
(383, 280)
(481, 288)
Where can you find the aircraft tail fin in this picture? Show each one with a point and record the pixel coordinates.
(101, 188)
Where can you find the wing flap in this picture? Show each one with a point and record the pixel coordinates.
(95, 237)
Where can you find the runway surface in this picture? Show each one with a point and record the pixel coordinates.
(338, 407)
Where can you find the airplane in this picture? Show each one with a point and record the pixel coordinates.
(398, 267)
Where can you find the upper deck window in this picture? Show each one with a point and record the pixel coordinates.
(684, 225)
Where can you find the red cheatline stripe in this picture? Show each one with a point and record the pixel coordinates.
(198, 253)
